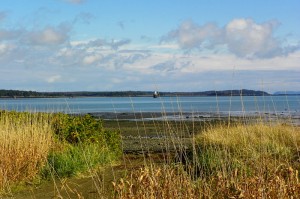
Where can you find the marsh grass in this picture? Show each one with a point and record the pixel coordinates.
(25, 141)
(157, 182)
(81, 144)
(251, 159)
(251, 149)
(73, 160)
(37, 147)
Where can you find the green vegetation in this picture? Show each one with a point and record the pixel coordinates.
(83, 144)
(248, 149)
(230, 161)
(217, 159)
(14, 93)
(40, 145)
(73, 160)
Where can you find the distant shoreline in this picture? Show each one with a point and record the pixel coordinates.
(35, 94)
(171, 95)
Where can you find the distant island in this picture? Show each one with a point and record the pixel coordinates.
(287, 93)
(34, 94)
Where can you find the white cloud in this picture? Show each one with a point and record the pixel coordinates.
(90, 59)
(243, 37)
(53, 78)
(116, 80)
(6, 48)
(48, 36)
(190, 35)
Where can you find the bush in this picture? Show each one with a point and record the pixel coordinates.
(82, 144)
(75, 129)
(60, 144)
(77, 159)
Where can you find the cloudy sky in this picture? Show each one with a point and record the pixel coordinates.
(170, 45)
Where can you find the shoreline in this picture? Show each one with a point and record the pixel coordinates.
(293, 118)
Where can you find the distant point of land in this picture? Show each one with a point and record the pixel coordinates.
(287, 93)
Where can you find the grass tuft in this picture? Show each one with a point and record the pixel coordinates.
(25, 141)
(231, 161)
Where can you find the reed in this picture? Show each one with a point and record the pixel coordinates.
(256, 160)
(25, 140)
(41, 146)
(252, 149)
(156, 182)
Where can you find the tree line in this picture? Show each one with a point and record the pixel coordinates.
(34, 94)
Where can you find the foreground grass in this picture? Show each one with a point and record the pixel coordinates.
(235, 160)
(250, 149)
(39, 146)
(255, 160)
(25, 141)
(240, 161)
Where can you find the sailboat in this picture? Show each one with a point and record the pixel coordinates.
(155, 94)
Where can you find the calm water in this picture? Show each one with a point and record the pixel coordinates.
(236, 104)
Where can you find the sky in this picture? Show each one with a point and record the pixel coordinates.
(140, 45)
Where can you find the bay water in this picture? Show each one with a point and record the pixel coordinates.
(223, 104)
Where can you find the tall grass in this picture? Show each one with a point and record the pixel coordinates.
(157, 182)
(252, 149)
(25, 140)
(231, 161)
(259, 160)
(73, 160)
(81, 144)
(52, 147)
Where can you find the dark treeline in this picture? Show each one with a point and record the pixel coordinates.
(17, 93)
(243, 92)
(34, 94)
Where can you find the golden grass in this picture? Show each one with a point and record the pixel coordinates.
(156, 182)
(256, 160)
(240, 161)
(251, 148)
(173, 182)
(25, 140)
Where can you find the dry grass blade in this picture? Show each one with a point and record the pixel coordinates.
(24, 146)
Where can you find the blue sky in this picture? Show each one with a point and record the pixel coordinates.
(193, 45)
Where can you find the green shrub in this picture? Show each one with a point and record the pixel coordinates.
(80, 142)
(75, 129)
(77, 159)
(84, 129)
(83, 144)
